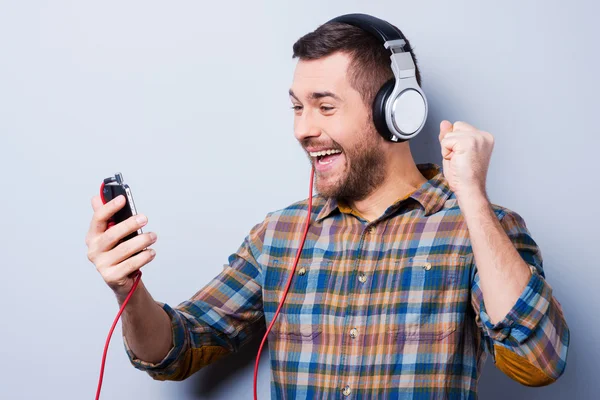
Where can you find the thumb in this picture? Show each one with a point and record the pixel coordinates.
(445, 127)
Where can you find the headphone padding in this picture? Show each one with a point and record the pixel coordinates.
(379, 109)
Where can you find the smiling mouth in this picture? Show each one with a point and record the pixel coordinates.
(325, 156)
(323, 159)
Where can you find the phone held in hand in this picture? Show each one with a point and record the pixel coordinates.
(113, 187)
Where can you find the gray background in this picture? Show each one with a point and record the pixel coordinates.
(189, 100)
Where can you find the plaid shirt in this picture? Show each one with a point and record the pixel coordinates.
(385, 309)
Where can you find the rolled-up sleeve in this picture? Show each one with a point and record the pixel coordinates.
(180, 345)
(530, 343)
(218, 320)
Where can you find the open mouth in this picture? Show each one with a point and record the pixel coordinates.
(325, 157)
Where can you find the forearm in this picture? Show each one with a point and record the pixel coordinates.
(146, 326)
(503, 273)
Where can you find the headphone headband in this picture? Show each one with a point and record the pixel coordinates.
(379, 28)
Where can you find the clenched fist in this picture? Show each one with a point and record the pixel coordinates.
(467, 152)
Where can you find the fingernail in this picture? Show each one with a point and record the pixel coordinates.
(120, 199)
(152, 236)
(152, 253)
(141, 219)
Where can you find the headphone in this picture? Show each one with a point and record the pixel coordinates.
(400, 107)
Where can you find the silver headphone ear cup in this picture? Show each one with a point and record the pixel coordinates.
(379, 119)
(408, 111)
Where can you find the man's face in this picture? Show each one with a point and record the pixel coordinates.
(334, 127)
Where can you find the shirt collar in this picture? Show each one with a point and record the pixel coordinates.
(431, 195)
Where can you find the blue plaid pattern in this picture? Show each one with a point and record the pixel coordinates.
(385, 309)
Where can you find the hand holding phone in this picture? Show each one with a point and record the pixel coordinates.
(116, 244)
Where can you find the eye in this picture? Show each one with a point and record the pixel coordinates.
(296, 108)
(326, 108)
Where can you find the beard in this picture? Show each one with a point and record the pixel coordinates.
(364, 170)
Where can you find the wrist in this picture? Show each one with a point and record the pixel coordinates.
(122, 293)
(475, 197)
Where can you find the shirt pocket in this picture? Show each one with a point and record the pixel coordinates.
(426, 291)
(302, 315)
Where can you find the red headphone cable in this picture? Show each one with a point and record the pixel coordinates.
(289, 282)
(138, 276)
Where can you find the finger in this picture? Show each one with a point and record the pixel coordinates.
(463, 126)
(111, 237)
(130, 247)
(445, 127)
(446, 153)
(103, 213)
(96, 203)
(448, 145)
(134, 263)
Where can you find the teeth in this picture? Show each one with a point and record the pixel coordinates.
(324, 153)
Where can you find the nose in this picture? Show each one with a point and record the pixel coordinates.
(305, 127)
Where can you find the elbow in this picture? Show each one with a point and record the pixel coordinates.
(192, 361)
(521, 370)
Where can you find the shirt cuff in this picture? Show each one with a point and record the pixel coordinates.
(177, 349)
(526, 314)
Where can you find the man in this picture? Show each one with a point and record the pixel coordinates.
(407, 276)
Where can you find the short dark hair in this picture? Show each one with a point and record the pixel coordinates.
(370, 66)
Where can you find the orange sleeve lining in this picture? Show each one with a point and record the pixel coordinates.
(519, 368)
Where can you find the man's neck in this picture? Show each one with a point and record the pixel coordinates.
(402, 178)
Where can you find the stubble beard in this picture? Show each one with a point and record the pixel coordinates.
(364, 170)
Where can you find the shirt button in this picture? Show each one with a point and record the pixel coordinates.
(427, 266)
(353, 333)
(346, 391)
(362, 278)
(301, 271)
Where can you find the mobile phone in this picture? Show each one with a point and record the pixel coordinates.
(113, 187)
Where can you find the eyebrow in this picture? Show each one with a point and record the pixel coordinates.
(317, 95)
